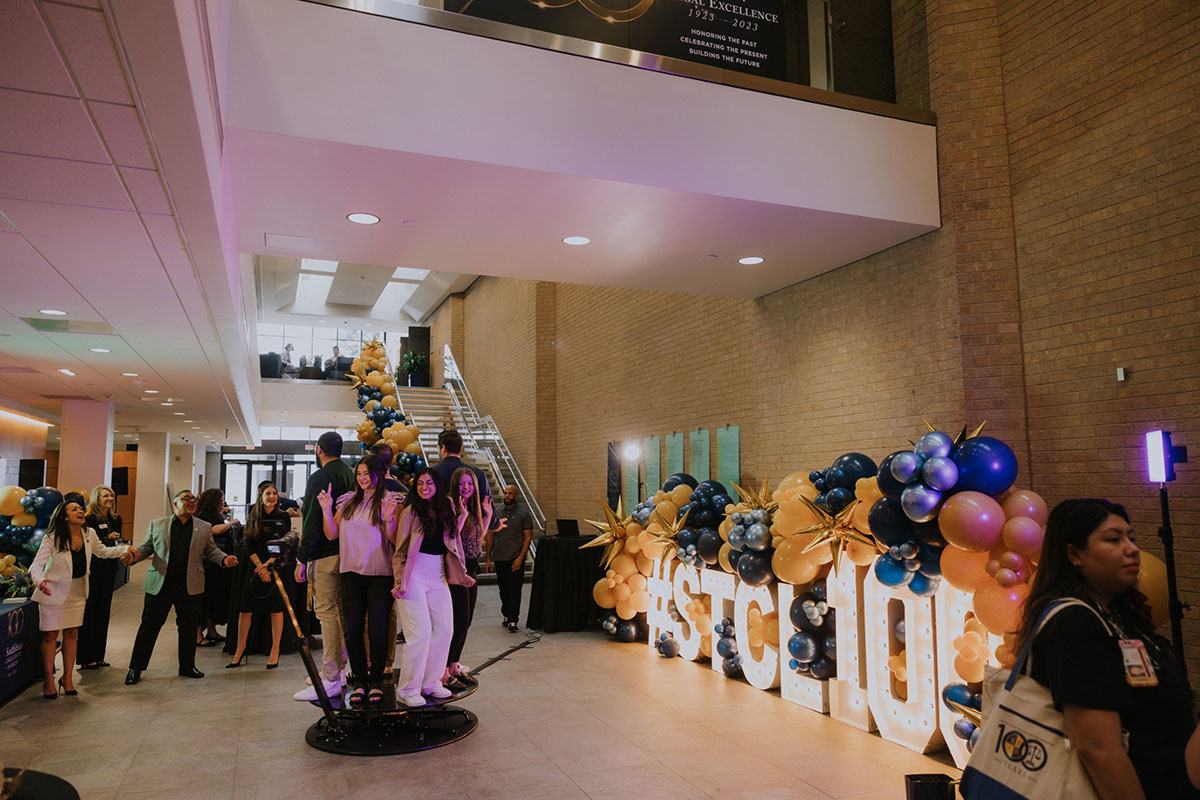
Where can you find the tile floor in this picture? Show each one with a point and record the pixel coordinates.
(576, 715)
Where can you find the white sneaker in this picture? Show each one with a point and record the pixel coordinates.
(438, 692)
(309, 693)
(412, 700)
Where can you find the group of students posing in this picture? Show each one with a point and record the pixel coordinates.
(367, 543)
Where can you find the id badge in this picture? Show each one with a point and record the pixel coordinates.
(1139, 671)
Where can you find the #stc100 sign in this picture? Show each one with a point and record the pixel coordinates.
(882, 681)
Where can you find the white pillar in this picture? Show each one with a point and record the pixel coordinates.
(181, 473)
(152, 501)
(85, 453)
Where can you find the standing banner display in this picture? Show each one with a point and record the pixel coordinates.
(698, 464)
(652, 461)
(728, 458)
(674, 453)
(741, 35)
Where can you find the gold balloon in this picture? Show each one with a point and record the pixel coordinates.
(640, 601)
(792, 565)
(633, 544)
(389, 401)
(370, 405)
(10, 500)
(723, 557)
(645, 565)
(861, 554)
(624, 565)
(625, 610)
(603, 594)
(637, 582)
(681, 495)
(414, 448)
(23, 519)
(706, 646)
(622, 591)
(666, 511)
(375, 380)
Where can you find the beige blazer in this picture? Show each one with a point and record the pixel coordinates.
(409, 535)
(157, 545)
(55, 566)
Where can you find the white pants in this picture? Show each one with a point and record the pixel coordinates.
(427, 618)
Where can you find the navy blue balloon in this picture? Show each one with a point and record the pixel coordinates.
(727, 646)
(889, 523)
(627, 630)
(814, 476)
(929, 533)
(820, 590)
(687, 536)
(963, 728)
(719, 501)
(704, 517)
(931, 561)
(957, 693)
(821, 500)
(922, 585)
(836, 477)
(857, 465)
(838, 498)
(820, 485)
(985, 464)
(677, 479)
(710, 487)
(669, 648)
(891, 572)
(830, 647)
(804, 647)
(888, 485)
(708, 546)
(799, 619)
(754, 567)
(731, 667)
(823, 668)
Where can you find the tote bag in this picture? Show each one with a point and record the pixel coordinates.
(1023, 752)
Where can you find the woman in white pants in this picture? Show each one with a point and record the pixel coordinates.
(427, 560)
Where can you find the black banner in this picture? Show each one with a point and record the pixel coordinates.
(742, 35)
(614, 474)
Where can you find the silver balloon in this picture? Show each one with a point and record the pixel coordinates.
(906, 467)
(934, 443)
(758, 537)
(940, 473)
(920, 503)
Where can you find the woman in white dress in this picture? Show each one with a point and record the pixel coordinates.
(60, 572)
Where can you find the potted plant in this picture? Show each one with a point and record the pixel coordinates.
(417, 366)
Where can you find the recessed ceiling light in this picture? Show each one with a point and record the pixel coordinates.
(166, 404)
(179, 413)
(67, 372)
(363, 219)
(52, 312)
(151, 391)
(100, 350)
(188, 420)
(195, 427)
(576, 240)
(130, 374)
(751, 260)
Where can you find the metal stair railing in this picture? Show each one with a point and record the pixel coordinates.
(484, 437)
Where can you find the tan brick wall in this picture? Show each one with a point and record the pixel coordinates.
(1069, 167)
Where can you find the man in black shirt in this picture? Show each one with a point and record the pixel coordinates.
(174, 581)
(450, 446)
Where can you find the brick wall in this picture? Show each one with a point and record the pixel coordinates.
(1070, 179)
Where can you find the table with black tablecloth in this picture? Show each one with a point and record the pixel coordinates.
(563, 576)
(41, 786)
(20, 647)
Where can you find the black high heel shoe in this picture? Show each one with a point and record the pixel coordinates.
(273, 666)
(238, 663)
(70, 693)
(48, 696)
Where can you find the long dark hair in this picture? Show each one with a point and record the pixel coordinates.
(254, 522)
(433, 513)
(377, 468)
(1071, 523)
(59, 528)
(475, 504)
(210, 506)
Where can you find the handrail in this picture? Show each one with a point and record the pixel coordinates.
(496, 450)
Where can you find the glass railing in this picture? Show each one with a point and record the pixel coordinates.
(836, 52)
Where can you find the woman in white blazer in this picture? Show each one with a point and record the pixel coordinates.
(60, 572)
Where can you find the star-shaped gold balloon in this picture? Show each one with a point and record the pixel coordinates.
(670, 533)
(972, 714)
(836, 530)
(611, 532)
(962, 436)
(752, 500)
(355, 380)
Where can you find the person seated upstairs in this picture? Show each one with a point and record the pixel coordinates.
(331, 364)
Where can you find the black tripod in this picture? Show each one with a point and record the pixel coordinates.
(1175, 606)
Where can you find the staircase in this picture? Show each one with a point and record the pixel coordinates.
(433, 410)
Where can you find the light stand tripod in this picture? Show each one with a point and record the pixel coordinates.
(1161, 458)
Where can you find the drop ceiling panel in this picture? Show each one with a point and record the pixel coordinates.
(95, 226)
(28, 57)
(123, 133)
(163, 230)
(146, 188)
(46, 125)
(52, 180)
(89, 49)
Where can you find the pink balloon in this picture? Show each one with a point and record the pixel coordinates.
(1012, 561)
(972, 521)
(1025, 503)
(1023, 535)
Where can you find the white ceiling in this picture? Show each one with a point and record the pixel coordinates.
(147, 155)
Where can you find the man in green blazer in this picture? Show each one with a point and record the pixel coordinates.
(176, 546)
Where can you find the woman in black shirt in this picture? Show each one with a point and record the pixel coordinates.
(1090, 554)
(266, 523)
(93, 634)
(218, 581)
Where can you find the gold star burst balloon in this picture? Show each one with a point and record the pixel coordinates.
(667, 537)
(962, 436)
(610, 533)
(836, 530)
(751, 500)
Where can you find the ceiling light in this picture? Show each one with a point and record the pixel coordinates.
(52, 312)
(179, 413)
(130, 374)
(363, 219)
(100, 350)
(67, 372)
(195, 427)
(166, 404)
(22, 418)
(576, 240)
(151, 391)
(751, 260)
(187, 420)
